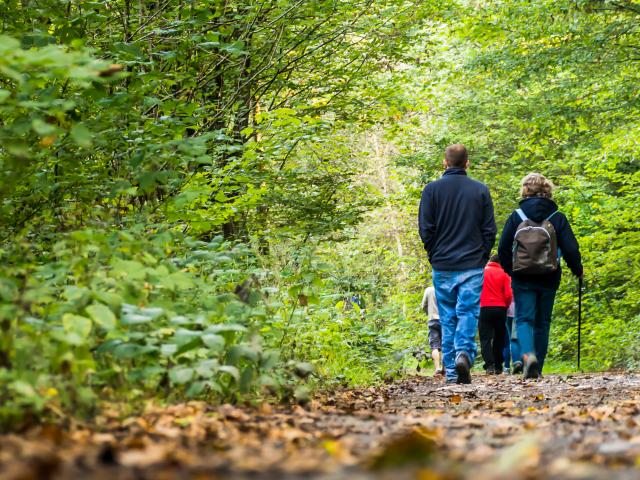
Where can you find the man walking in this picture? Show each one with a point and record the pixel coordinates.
(458, 230)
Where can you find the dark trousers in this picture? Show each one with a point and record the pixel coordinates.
(493, 332)
(435, 334)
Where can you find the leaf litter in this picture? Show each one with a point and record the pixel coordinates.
(499, 427)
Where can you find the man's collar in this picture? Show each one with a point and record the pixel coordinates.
(455, 171)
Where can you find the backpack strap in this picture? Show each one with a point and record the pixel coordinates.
(559, 251)
(521, 214)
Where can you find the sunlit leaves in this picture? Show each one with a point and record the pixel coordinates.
(205, 121)
(181, 375)
(81, 135)
(545, 86)
(77, 328)
(213, 341)
(102, 315)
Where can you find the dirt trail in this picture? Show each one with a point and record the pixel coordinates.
(582, 426)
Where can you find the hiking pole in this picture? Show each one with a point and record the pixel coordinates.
(579, 317)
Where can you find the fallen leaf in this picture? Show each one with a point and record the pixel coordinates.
(416, 446)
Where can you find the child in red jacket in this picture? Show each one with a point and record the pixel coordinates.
(494, 301)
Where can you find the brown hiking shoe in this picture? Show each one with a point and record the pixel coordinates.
(531, 369)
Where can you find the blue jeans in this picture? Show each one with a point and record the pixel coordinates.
(458, 296)
(534, 306)
(514, 343)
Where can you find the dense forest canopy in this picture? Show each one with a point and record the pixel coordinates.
(191, 191)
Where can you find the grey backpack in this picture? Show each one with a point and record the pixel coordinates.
(535, 246)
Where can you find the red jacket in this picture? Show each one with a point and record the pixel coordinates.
(496, 289)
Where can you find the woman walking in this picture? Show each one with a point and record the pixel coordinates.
(534, 238)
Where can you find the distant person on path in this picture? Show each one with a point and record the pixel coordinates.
(534, 238)
(458, 230)
(352, 300)
(356, 299)
(512, 349)
(495, 299)
(430, 307)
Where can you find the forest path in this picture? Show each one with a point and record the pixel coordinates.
(577, 426)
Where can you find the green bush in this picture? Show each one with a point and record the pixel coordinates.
(131, 313)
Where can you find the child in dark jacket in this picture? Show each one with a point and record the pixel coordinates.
(494, 301)
(535, 294)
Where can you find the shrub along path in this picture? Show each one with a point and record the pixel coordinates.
(580, 426)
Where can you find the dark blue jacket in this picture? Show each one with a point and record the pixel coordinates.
(537, 209)
(456, 222)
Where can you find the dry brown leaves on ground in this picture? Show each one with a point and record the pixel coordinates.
(585, 426)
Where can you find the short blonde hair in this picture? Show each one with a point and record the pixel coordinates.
(536, 185)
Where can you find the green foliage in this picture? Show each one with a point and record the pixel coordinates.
(134, 313)
(163, 206)
(191, 193)
(551, 92)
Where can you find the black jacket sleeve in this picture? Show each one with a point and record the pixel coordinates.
(426, 219)
(569, 246)
(488, 226)
(506, 244)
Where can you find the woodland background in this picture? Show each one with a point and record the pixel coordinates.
(189, 190)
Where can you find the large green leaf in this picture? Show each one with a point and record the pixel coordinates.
(102, 315)
(226, 327)
(77, 325)
(236, 352)
(207, 368)
(231, 370)
(213, 342)
(81, 135)
(180, 375)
